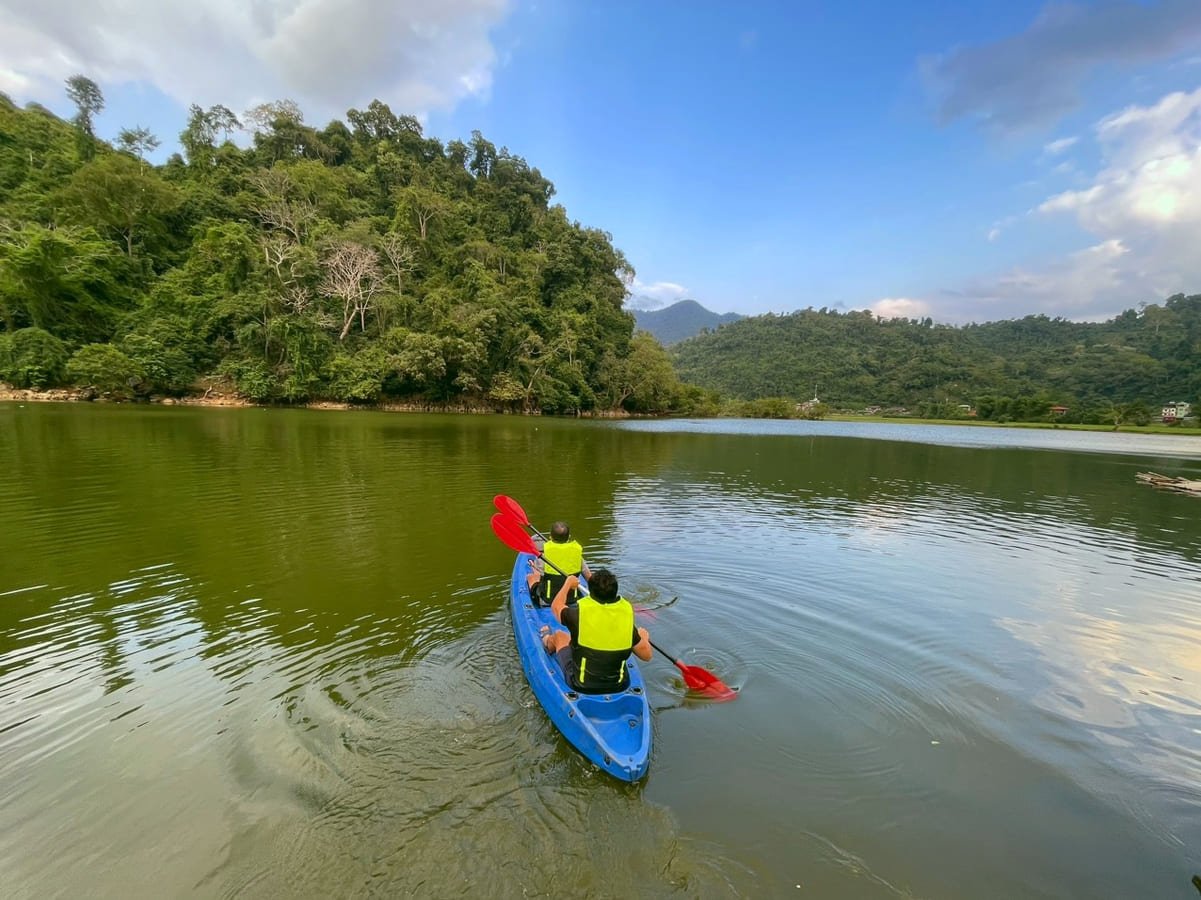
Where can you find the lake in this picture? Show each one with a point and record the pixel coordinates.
(267, 653)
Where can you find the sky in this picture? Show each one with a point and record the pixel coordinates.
(962, 161)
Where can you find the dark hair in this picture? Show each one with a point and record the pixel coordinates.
(560, 532)
(603, 586)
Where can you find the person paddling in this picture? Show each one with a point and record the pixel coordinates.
(600, 635)
(563, 557)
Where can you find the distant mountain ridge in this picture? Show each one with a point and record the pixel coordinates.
(1149, 356)
(681, 320)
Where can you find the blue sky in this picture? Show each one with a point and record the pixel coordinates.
(966, 161)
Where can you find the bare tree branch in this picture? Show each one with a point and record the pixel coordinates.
(351, 276)
(281, 204)
(400, 256)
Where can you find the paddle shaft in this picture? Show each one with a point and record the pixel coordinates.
(665, 653)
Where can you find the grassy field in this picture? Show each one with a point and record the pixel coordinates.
(1153, 428)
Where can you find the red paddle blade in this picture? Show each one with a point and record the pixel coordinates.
(705, 682)
(511, 507)
(512, 534)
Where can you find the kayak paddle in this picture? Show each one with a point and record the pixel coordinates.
(695, 678)
(512, 508)
(701, 680)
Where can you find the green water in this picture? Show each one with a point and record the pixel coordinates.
(266, 653)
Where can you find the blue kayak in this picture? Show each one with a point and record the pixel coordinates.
(611, 730)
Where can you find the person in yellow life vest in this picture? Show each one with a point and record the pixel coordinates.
(600, 636)
(560, 553)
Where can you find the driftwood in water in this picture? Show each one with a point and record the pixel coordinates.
(1170, 483)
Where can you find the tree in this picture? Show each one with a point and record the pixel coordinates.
(32, 358)
(199, 137)
(164, 352)
(64, 280)
(280, 133)
(537, 362)
(222, 121)
(104, 368)
(400, 256)
(400, 259)
(137, 141)
(351, 276)
(424, 205)
(264, 117)
(376, 123)
(483, 156)
(280, 203)
(358, 377)
(114, 193)
(89, 101)
(644, 380)
(507, 390)
(1126, 414)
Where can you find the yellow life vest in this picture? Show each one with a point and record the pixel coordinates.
(567, 556)
(605, 640)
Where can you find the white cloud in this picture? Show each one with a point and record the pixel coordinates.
(1092, 284)
(995, 230)
(1148, 195)
(1142, 209)
(900, 308)
(654, 295)
(1056, 147)
(326, 54)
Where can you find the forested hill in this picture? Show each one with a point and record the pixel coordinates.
(1150, 356)
(680, 321)
(360, 261)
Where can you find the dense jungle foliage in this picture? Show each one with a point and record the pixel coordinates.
(1124, 369)
(362, 261)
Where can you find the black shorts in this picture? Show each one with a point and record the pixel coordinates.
(544, 591)
(567, 664)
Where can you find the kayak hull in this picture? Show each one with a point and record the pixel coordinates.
(613, 731)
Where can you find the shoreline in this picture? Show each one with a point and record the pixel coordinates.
(1152, 428)
(232, 400)
(220, 400)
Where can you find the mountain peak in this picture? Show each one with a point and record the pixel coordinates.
(681, 320)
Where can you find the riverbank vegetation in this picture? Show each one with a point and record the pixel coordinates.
(368, 263)
(1119, 372)
(363, 261)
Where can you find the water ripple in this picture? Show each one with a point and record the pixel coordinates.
(267, 653)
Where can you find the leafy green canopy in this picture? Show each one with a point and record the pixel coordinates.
(1013, 369)
(362, 261)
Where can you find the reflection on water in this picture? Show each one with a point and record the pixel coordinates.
(1167, 446)
(265, 653)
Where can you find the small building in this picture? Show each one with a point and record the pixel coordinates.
(809, 404)
(1058, 410)
(1173, 412)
